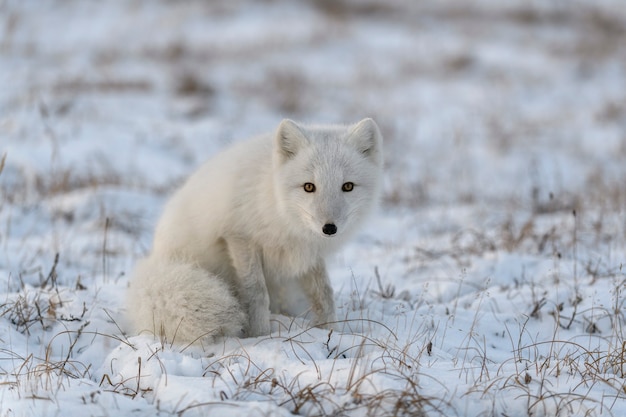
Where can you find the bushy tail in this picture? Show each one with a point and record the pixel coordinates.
(181, 303)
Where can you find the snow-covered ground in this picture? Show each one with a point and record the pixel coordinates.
(490, 282)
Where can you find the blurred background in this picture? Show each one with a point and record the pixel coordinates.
(518, 103)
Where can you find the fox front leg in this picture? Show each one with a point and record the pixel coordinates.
(320, 294)
(251, 287)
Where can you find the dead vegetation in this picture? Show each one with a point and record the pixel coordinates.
(596, 359)
(581, 231)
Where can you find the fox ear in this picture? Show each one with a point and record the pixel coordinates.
(289, 139)
(366, 138)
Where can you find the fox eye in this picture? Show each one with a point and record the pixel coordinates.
(347, 187)
(309, 187)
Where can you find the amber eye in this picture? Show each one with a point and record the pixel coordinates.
(309, 187)
(347, 187)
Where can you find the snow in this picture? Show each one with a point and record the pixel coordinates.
(489, 282)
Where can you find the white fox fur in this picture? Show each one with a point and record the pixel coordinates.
(245, 236)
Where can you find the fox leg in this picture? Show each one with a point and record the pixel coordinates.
(251, 287)
(320, 294)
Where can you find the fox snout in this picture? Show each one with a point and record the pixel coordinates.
(329, 229)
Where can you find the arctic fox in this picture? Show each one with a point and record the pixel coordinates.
(248, 233)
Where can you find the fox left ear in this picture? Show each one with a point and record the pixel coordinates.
(366, 138)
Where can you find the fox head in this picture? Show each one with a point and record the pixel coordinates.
(327, 178)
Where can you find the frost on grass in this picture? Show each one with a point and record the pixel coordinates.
(490, 283)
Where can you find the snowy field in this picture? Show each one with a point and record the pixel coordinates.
(491, 281)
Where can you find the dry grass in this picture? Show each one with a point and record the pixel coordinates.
(385, 376)
(312, 392)
(529, 374)
(597, 359)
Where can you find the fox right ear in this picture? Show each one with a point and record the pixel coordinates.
(289, 139)
(366, 138)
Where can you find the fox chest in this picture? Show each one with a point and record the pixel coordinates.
(288, 263)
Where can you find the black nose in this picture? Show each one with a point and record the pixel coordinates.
(329, 229)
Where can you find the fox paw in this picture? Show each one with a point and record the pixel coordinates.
(328, 321)
(259, 326)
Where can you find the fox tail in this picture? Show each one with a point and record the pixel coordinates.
(180, 302)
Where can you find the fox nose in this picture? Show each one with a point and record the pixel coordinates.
(329, 229)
